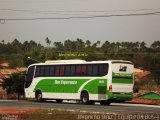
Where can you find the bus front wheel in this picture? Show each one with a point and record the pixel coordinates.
(39, 96)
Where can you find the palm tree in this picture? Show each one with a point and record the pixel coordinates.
(88, 43)
(98, 43)
(156, 45)
(3, 42)
(80, 44)
(105, 46)
(142, 46)
(48, 42)
(137, 44)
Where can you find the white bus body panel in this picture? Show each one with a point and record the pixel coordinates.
(122, 87)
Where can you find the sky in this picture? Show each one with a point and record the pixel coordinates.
(114, 28)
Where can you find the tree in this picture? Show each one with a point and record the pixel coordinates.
(26, 46)
(80, 45)
(98, 43)
(16, 46)
(3, 42)
(143, 46)
(94, 46)
(156, 46)
(16, 60)
(48, 41)
(14, 84)
(88, 43)
(68, 45)
(58, 46)
(118, 45)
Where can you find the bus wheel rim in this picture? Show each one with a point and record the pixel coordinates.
(85, 98)
(39, 97)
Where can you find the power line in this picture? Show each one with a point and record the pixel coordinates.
(83, 17)
(2, 20)
(50, 12)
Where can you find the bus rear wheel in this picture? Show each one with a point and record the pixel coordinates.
(85, 98)
(39, 96)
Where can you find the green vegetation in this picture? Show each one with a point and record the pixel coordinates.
(14, 84)
(143, 56)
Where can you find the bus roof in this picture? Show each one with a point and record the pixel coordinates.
(60, 62)
(64, 61)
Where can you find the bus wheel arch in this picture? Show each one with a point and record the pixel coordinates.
(38, 95)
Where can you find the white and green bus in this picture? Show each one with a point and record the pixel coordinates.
(100, 81)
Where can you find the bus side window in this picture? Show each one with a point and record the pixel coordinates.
(51, 72)
(46, 70)
(101, 70)
(106, 69)
(37, 73)
(57, 69)
(67, 70)
(61, 71)
(95, 70)
(84, 70)
(42, 71)
(78, 70)
(72, 73)
(89, 70)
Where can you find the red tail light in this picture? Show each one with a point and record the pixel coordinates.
(110, 88)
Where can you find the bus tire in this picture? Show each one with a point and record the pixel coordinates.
(59, 100)
(105, 102)
(85, 98)
(39, 97)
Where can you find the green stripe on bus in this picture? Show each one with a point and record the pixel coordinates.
(95, 86)
(123, 80)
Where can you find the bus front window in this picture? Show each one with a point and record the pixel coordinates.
(29, 76)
